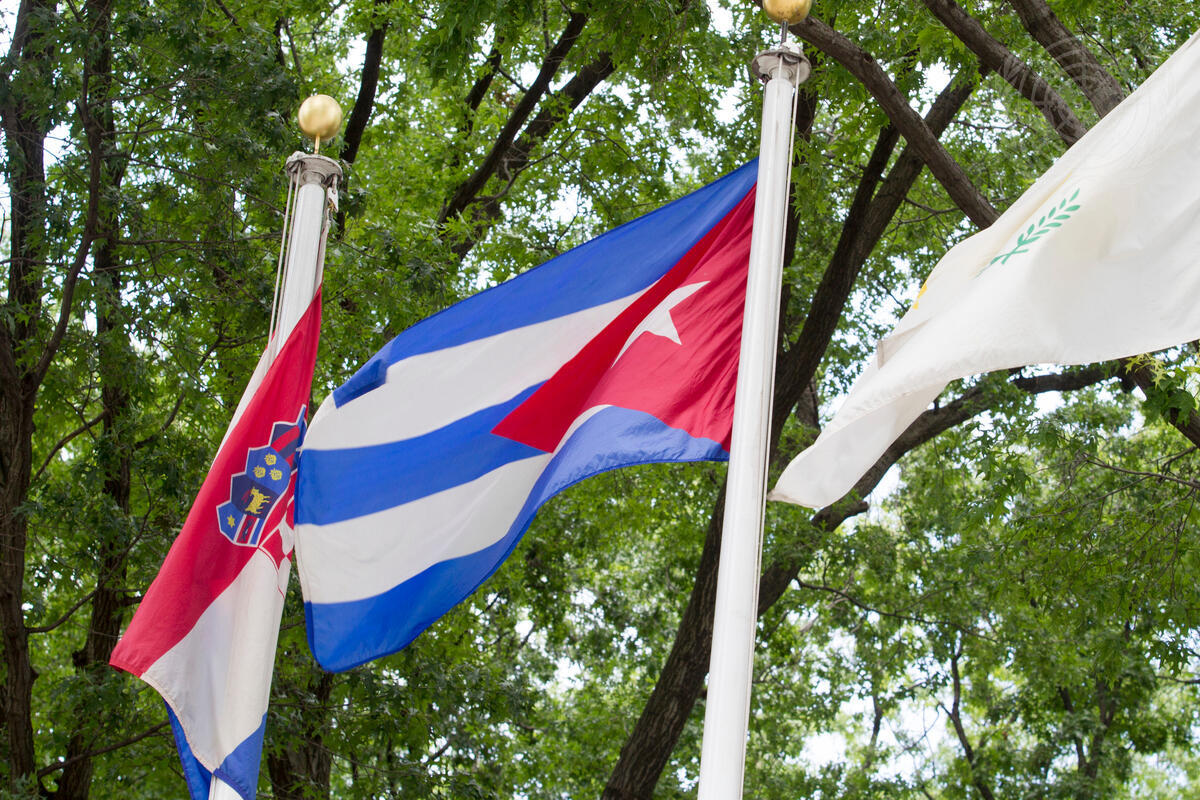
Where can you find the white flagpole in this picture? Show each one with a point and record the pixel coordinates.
(315, 179)
(312, 193)
(727, 710)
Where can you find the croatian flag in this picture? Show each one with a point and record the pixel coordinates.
(420, 474)
(204, 635)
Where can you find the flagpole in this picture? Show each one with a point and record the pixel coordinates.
(315, 179)
(727, 709)
(312, 194)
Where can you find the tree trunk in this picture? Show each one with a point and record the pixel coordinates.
(25, 128)
(115, 452)
(302, 770)
(16, 453)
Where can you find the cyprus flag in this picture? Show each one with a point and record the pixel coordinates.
(1099, 259)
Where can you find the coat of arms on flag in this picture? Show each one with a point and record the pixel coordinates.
(254, 491)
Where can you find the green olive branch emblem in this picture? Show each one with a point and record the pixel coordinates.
(1054, 218)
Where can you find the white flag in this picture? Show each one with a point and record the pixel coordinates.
(1099, 259)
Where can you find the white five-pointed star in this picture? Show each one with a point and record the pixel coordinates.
(658, 321)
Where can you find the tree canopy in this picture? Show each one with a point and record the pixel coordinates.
(1003, 607)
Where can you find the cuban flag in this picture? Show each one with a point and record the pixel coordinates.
(420, 474)
(204, 634)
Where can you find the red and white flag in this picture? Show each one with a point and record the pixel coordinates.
(204, 635)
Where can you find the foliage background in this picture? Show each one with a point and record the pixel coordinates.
(1012, 614)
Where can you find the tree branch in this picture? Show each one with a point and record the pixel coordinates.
(484, 82)
(59, 765)
(865, 224)
(1186, 423)
(89, 105)
(960, 732)
(470, 188)
(916, 132)
(1161, 476)
(1080, 64)
(779, 574)
(998, 58)
(517, 157)
(85, 427)
(364, 104)
(1080, 756)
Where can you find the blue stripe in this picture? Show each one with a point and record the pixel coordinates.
(616, 264)
(344, 635)
(336, 485)
(239, 770)
(194, 773)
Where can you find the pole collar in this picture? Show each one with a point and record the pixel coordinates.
(305, 168)
(786, 61)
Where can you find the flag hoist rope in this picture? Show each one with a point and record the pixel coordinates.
(727, 709)
(312, 194)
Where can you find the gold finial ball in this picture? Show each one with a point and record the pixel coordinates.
(789, 11)
(320, 117)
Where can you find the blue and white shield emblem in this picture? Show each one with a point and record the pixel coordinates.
(254, 492)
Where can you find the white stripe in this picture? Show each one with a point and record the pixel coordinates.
(217, 679)
(431, 390)
(219, 790)
(393, 545)
(369, 555)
